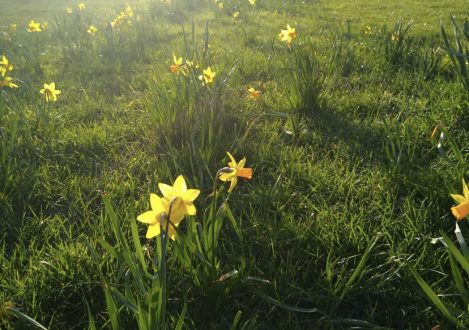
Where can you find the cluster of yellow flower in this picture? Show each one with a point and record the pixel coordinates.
(6, 67)
(81, 6)
(49, 91)
(124, 16)
(168, 211)
(36, 27)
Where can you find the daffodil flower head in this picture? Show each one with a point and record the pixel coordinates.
(81, 6)
(181, 198)
(157, 218)
(34, 27)
(207, 76)
(287, 35)
(462, 210)
(237, 170)
(176, 67)
(5, 66)
(92, 30)
(49, 92)
(7, 82)
(254, 94)
(69, 10)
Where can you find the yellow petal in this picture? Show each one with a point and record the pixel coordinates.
(149, 217)
(191, 194)
(458, 198)
(231, 158)
(233, 184)
(242, 162)
(191, 210)
(166, 190)
(180, 186)
(156, 203)
(153, 231)
(227, 176)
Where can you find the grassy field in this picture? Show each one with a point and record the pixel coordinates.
(349, 186)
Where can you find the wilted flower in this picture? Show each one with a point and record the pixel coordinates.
(50, 92)
(235, 169)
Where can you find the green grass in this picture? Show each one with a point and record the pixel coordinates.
(348, 187)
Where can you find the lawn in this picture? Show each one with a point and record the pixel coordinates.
(304, 153)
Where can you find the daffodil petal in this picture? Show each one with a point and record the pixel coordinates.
(148, 217)
(465, 190)
(231, 158)
(458, 198)
(191, 194)
(156, 203)
(153, 231)
(166, 190)
(461, 211)
(242, 162)
(191, 210)
(233, 184)
(180, 186)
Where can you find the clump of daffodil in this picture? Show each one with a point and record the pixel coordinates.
(252, 2)
(124, 16)
(462, 210)
(34, 27)
(367, 30)
(207, 76)
(92, 30)
(394, 37)
(254, 94)
(177, 201)
(69, 10)
(7, 82)
(5, 66)
(176, 67)
(236, 14)
(13, 27)
(49, 92)
(234, 171)
(287, 35)
(81, 6)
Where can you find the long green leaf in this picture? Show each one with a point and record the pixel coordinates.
(25, 317)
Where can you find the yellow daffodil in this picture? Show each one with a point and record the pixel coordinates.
(176, 67)
(367, 30)
(182, 199)
(158, 217)
(5, 66)
(207, 76)
(252, 2)
(221, 5)
(13, 27)
(50, 92)
(81, 6)
(69, 10)
(8, 82)
(129, 12)
(44, 26)
(394, 37)
(34, 27)
(236, 14)
(92, 30)
(236, 169)
(462, 210)
(254, 94)
(287, 35)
